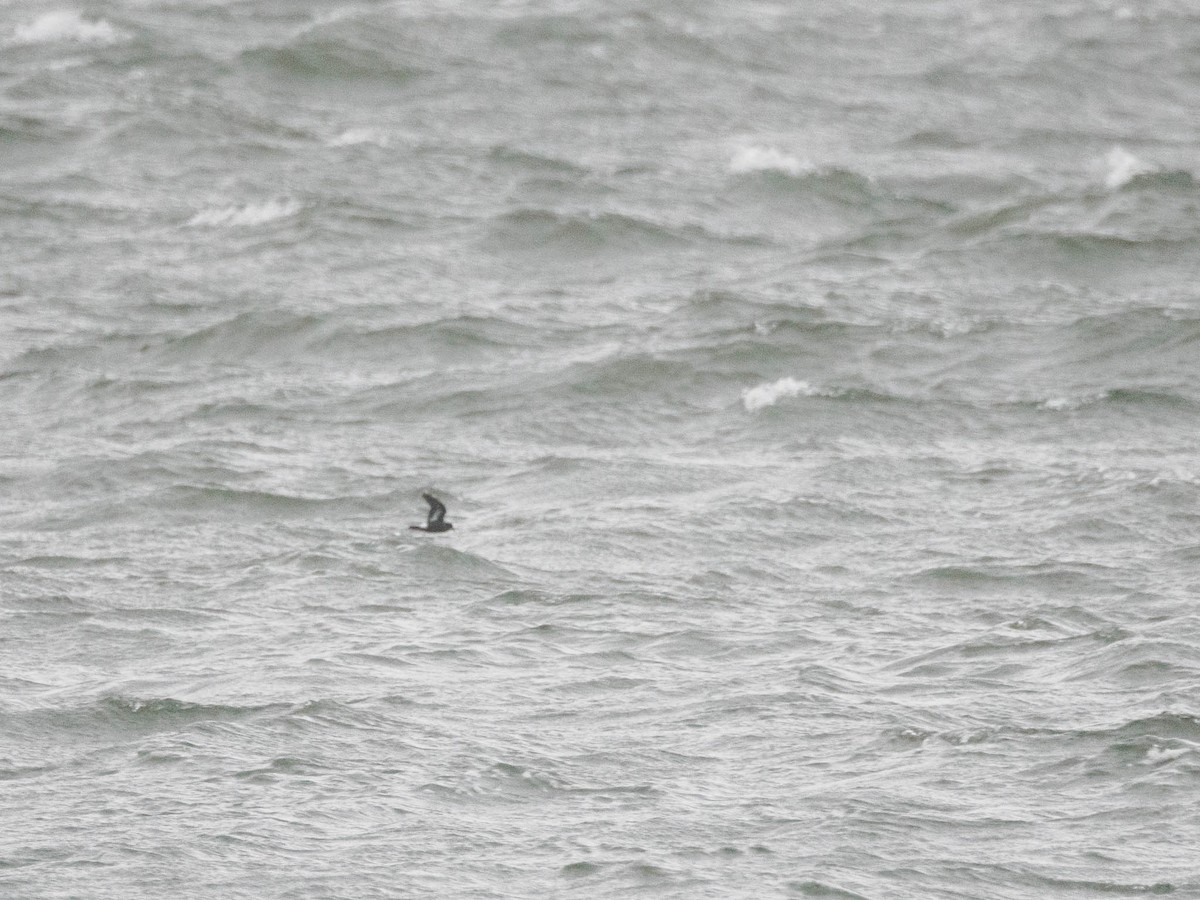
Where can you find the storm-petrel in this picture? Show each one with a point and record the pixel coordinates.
(437, 513)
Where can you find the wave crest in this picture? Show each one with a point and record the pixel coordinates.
(65, 25)
(1122, 167)
(768, 159)
(244, 216)
(770, 393)
(352, 137)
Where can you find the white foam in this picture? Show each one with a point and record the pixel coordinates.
(354, 136)
(1121, 167)
(770, 393)
(65, 25)
(767, 159)
(1069, 404)
(1156, 755)
(244, 216)
(948, 328)
(1059, 404)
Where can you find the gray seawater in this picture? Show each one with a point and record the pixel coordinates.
(813, 388)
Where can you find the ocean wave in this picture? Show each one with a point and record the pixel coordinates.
(1127, 207)
(353, 137)
(515, 782)
(1152, 741)
(937, 138)
(1121, 167)
(998, 217)
(822, 890)
(345, 50)
(499, 781)
(66, 25)
(554, 27)
(66, 562)
(10, 771)
(1168, 323)
(1163, 726)
(206, 500)
(1133, 397)
(1039, 884)
(1121, 171)
(1072, 253)
(778, 181)
(624, 374)
(246, 216)
(541, 230)
(1158, 754)
(1109, 358)
(1001, 574)
(244, 337)
(167, 710)
(1062, 403)
(1167, 181)
(282, 767)
(768, 159)
(446, 561)
(35, 130)
(536, 162)
(770, 393)
(273, 334)
(124, 715)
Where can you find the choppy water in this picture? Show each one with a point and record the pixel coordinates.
(813, 389)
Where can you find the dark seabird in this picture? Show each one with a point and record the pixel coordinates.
(437, 515)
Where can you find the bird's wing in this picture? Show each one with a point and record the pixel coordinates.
(437, 509)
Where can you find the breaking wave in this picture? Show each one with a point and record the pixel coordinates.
(65, 25)
(770, 393)
(246, 216)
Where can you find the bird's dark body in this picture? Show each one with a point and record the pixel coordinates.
(437, 515)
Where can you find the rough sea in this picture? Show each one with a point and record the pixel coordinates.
(814, 389)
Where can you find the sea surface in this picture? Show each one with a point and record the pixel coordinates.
(814, 389)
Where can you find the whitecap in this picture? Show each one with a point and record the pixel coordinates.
(65, 25)
(770, 393)
(1121, 167)
(1157, 755)
(1070, 404)
(1059, 404)
(354, 136)
(767, 159)
(949, 328)
(243, 216)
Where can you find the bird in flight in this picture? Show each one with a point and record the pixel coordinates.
(437, 516)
